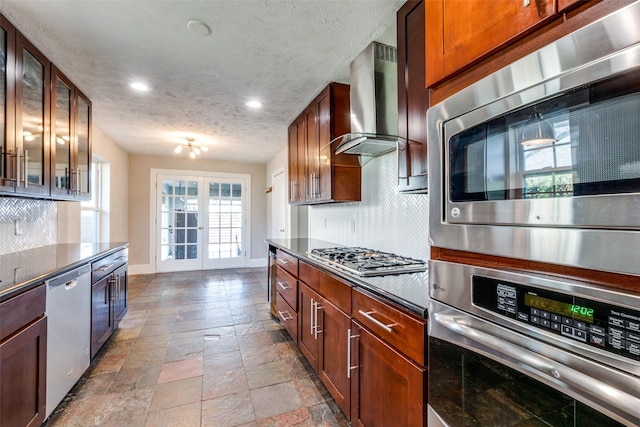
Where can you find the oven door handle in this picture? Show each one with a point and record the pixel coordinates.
(553, 371)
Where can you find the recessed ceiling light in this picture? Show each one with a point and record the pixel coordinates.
(139, 86)
(198, 28)
(253, 104)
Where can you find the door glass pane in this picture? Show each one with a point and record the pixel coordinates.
(179, 220)
(225, 220)
(33, 117)
(3, 96)
(62, 141)
(82, 131)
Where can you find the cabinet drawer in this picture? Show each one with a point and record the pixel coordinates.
(335, 291)
(106, 265)
(287, 287)
(288, 262)
(288, 317)
(19, 311)
(309, 275)
(398, 329)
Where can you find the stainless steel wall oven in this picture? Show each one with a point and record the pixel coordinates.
(541, 160)
(513, 349)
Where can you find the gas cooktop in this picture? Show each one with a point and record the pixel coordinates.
(367, 262)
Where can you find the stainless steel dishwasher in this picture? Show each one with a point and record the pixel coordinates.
(68, 332)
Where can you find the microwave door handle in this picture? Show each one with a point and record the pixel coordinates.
(552, 370)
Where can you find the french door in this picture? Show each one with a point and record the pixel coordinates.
(200, 222)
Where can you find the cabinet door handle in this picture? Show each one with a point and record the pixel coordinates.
(349, 367)
(283, 261)
(78, 182)
(311, 320)
(285, 316)
(26, 168)
(368, 315)
(282, 285)
(316, 328)
(17, 171)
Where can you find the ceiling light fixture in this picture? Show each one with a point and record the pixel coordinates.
(255, 104)
(139, 86)
(194, 150)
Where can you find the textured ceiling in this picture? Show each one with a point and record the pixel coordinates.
(280, 52)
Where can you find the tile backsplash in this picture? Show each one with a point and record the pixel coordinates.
(36, 224)
(384, 220)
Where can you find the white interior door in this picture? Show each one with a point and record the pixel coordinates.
(278, 205)
(179, 229)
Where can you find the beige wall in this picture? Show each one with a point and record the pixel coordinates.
(115, 200)
(139, 198)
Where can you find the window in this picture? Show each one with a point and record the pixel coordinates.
(91, 209)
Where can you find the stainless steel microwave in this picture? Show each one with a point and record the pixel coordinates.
(541, 160)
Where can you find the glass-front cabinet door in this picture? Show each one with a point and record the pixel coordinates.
(7, 106)
(82, 161)
(32, 119)
(62, 120)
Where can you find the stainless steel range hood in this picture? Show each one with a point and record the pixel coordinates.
(374, 104)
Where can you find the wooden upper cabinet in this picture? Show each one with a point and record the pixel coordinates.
(323, 176)
(459, 32)
(82, 146)
(32, 119)
(413, 99)
(7, 105)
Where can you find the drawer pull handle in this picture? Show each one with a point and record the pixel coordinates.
(285, 316)
(282, 285)
(368, 315)
(105, 268)
(283, 261)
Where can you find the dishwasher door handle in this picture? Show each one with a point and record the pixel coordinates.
(70, 285)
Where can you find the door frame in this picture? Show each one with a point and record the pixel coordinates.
(179, 173)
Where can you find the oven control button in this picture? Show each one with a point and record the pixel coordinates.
(597, 340)
(535, 312)
(567, 321)
(633, 326)
(556, 326)
(535, 319)
(545, 315)
(633, 336)
(523, 316)
(567, 330)
(598, 330)
(502, 307)
(511, 309)
(633, 348)
(617, 343)
(546, 323)
(616, 333)
(580, 335)
(581, 325)
(615, 321)
(556, 318)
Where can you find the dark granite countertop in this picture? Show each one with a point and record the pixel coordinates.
(23, 270)
(409, 290)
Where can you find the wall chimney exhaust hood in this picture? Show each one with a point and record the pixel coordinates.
(374, 104)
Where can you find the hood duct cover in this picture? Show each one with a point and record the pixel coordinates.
(374, 104)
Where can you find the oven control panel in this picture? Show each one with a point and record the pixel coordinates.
(606, 326)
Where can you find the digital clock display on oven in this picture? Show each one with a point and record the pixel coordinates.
(574, 311)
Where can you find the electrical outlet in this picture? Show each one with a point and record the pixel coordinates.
(353, 225)
(325, 222)
(17, 227)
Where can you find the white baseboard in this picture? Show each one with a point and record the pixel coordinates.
(148, 268)
(140, 269)
(257, 262)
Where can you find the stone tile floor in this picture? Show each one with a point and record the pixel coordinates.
(199, 348)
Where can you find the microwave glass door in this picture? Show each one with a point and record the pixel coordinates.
(592, 147)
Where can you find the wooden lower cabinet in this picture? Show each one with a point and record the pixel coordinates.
(101, 314)
(23, 359)
(387, 388)
(308, 342)
(334, 355)
(287, 316)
